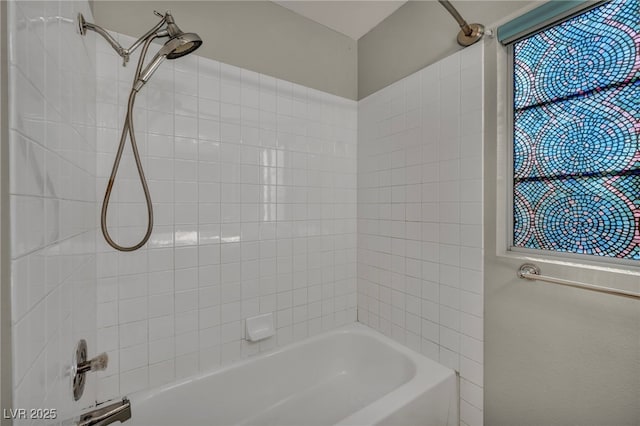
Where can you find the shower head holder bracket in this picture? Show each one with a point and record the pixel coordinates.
(81, 22)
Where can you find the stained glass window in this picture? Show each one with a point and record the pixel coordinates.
(576, 185)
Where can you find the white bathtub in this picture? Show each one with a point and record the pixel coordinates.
(349, 376)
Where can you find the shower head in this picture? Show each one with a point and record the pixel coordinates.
(180, 43)
(176, 47)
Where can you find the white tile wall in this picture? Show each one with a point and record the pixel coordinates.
(420, 245)
(52, 150)
(253, 181)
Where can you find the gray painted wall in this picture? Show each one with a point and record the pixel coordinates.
(553, 355)
(416, 35)
(258, 35)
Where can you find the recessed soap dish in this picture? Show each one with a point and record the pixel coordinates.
(260, 327)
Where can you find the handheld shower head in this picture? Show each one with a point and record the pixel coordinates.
(178, 45)
(146, 74)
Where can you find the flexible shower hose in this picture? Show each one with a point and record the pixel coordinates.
(128, 129)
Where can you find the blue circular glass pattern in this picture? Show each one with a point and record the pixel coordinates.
(587, 135)
(522, 152)
(522, 229)
(577, 134)
(587, 222)
(582, 54)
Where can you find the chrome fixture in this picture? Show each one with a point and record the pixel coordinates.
(469, 33)
(80, 366)
(532, 272)
(178, 45)
(102, 416)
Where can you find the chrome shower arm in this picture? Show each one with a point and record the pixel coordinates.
(148, 34)
(83, 26)
(468, 34)
(466, 29)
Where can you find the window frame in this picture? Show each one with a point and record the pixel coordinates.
(509, 184)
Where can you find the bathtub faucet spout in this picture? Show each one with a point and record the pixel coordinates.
(103, 416)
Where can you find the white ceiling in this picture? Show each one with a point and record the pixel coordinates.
(351, 18)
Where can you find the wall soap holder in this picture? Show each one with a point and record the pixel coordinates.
(260, 327)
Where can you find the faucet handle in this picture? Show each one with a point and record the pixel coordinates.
(80, 366)
(97, 363)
